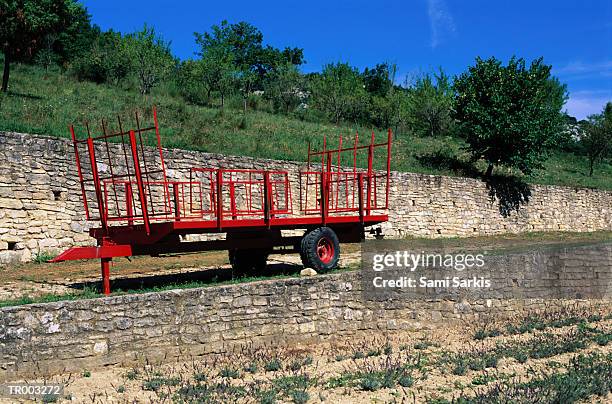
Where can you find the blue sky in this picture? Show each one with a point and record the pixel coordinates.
(418, 35)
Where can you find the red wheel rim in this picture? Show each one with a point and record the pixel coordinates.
(325, 250)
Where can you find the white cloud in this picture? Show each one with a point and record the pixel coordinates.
(579, 70)
(440, 20)
(584, 103)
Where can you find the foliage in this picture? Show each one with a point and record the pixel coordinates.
(46, 57)
(106, 61)
(338, 91)
(24, 24)
(199, 79)
(429, 105)
(510, 115)
(76, 39)
(151, 58)
(241, 44)
(286, 88)
(43, 257)
(597, 137)
(378, 81)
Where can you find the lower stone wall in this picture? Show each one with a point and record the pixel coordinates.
(41, 209)
(67, 336)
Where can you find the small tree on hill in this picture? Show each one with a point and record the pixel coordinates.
(285, 87)
(338, 91)
(510, 115)
(106, 61)
(429, 105)
(24, 24)
(151, 58)
(597, 137)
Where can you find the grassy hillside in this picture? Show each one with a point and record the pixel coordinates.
(46, 103)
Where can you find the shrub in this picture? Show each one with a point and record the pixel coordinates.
(273, 365)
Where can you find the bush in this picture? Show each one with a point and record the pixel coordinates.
(272, 365)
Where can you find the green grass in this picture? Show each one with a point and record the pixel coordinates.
(46, 104)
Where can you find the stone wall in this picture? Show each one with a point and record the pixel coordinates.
(41, 208)
(71, 335)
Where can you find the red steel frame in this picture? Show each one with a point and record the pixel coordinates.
(142, 212)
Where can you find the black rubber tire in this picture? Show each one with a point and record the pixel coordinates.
(247, 262)
(310, 249)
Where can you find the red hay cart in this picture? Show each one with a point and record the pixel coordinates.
(145, 209)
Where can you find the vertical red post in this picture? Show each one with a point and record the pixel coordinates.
(360, 196)
(267, 198)
(355, 165)
(323, 197)
(96, 180)
(139, 183)
(177, 201)
(79, 171)
(338, 171)
(389, 136)
(219, 198)
(105, 264)
(370, 158)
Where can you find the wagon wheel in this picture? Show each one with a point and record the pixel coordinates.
(320, 249)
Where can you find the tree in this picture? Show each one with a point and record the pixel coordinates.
(77, 38)
(285, 87)
(379, 80)
(107, 60)
(46, 57)
(24, 24)
(338, 91)
(251, 61)
(151, 58)
(429, 105)
(597, 136)
(510, 115)
(217, 63)
(383, 102)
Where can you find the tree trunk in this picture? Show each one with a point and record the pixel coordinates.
(245, 104)
(5, 74)
(489, 170)
(591, 164)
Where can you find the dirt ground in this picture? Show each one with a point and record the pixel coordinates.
(329, 370)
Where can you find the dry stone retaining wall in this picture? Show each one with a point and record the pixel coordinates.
(41, 208)
(71, 335)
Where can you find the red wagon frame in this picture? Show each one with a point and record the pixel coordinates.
(127, 188)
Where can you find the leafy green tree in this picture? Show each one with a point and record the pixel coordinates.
(77, 38)
(251, 60)
(190, 83)
(379, 80)
(285, 87)
(510, 115)
(46, 57)
(217, 64)
(338, 92)
(151, 58)
(107, 60)
(597, 136)
(388, 103)
(429, 105)
(24, 24)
